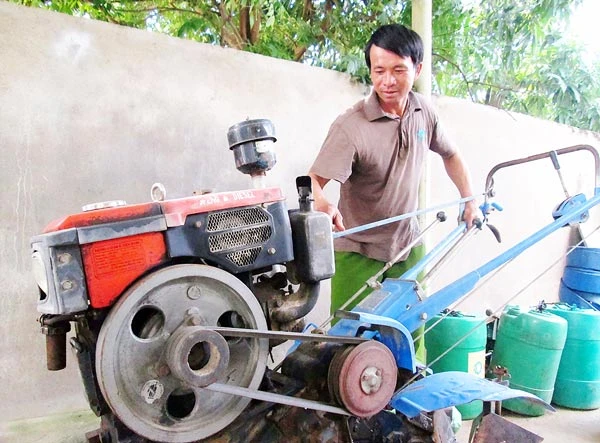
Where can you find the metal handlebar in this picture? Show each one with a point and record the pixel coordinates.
(489, 182)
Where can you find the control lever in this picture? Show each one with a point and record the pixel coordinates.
(486, 208)
(554, 159)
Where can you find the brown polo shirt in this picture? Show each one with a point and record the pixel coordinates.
(378, 160)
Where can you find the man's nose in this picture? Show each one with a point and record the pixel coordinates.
(389, 78)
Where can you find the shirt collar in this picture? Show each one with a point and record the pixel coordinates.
(374, 112)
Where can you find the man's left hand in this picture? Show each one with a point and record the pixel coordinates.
(470, 212)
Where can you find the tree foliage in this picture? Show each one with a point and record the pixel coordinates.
(513, 55)
(499, 52)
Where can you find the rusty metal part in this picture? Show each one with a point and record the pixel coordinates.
(333, 382)
(286, 308)
(492, 428)
(209, 351)
(363, 378)
(442, 426)
(56, 342)
(500, 373)
(297, 305)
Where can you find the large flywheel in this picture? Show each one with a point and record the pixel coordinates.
(155, 352)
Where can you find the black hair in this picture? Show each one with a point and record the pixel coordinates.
(397, 39)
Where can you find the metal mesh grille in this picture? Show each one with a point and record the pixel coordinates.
(244, 257)
(220, 221)
(241, 238)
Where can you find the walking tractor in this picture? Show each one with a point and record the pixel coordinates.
(177, 304)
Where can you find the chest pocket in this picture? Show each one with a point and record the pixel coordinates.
(378, 150)
(413, 133)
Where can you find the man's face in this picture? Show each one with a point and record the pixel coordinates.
(392, 76)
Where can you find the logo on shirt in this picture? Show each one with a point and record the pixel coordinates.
(421, 135)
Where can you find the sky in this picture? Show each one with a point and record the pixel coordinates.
(584, 27)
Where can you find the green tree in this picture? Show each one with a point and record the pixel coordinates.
(512, 55)
(498, 52)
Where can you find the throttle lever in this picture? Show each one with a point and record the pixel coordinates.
(496, 232)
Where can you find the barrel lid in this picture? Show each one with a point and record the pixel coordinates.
(458, 317)
(562, 307)
(583, 323)
(541, 327)
(455, 324)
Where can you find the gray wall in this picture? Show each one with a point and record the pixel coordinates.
(92, 112)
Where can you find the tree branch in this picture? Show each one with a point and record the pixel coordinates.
(255, 30)
(161, 9)
(491, 85)
(244, 22)
(308, 10)
(466, 80)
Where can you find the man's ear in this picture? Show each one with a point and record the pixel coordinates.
(418, 70)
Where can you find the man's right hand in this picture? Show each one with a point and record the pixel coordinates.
(323, 205)
(334, 213)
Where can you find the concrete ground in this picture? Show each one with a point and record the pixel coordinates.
(562, 426)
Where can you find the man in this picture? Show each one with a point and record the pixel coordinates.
(376, 151)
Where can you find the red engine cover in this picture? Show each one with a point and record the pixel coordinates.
(108, 215)
(112, 265)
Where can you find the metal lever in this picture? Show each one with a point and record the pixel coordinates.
(554, 159)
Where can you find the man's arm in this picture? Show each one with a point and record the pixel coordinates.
(322, 204)
(458, 172)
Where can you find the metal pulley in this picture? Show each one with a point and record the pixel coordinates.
(363, 378)
(156, 353)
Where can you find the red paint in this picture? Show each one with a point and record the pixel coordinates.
(100, 216)
(112, 265)
(176, 211)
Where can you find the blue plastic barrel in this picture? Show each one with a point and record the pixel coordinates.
(580, 284)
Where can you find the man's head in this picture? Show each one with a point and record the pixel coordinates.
(397, 39)
(394, 56)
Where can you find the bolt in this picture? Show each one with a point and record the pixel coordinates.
(195, 320)
(194, 292)
(371, 380)
(67, 284)
(163, 371)
(271, 251)
(193, 316)
(64, 258)
(423, 316)
(198, 224)
(76, 345)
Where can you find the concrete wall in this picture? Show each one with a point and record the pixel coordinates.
(92, 112)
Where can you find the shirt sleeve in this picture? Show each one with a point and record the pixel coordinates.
(440, 142)
(336, 156)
